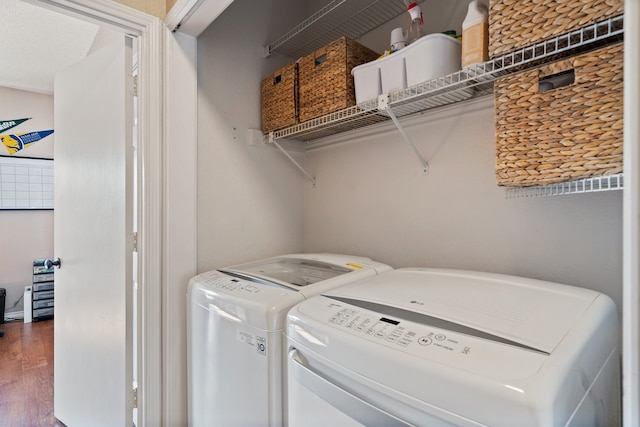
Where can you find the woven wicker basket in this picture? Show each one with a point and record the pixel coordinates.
(562, 134)
(514, 24)
(326, 83)
(280, 99)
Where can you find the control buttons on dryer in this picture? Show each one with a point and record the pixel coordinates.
(403, 342)
(393, 333)
(424, 341)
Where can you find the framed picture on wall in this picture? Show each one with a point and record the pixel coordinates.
(26, 183)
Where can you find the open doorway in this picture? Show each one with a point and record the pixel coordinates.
(36, 43)
(141, 30)
(47, 43)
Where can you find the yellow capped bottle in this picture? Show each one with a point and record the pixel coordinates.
(475, 34)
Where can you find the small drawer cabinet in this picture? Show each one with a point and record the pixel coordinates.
(42, 300)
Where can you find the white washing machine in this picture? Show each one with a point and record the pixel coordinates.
(429, 347)
(236, 318)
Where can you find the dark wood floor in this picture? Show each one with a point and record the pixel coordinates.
(26, 375)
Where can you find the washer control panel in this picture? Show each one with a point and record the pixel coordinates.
(242, 284)
(223, 282)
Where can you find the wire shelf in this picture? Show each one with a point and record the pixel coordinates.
(351, 18)
(471, 82)
(354, 18)
(585, 185)
(361, 115)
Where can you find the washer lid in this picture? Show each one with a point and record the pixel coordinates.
(292, 270)
(524, 312)
(260, 293)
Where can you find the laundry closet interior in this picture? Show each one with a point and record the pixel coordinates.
(371, 196)
(360, 187)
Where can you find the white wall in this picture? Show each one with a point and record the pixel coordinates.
(372, 199)
(249, 198)
(25, 234)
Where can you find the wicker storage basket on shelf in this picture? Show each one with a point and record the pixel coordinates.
(326, 83)
(561, 134)
(514, 24)
(280, 98)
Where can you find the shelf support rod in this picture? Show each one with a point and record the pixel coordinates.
(383, 105)
(273, 140)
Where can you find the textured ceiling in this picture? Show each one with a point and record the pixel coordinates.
(36, 43)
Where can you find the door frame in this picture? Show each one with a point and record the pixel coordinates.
(631, 220)
(147, 32)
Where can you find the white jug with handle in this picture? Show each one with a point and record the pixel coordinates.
(398, 39)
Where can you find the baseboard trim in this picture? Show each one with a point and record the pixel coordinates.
(14, 315)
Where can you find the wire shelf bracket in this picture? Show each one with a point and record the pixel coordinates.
(288, 156)
(383, 106)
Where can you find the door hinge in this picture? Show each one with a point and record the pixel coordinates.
(135, 242)
(134, 397)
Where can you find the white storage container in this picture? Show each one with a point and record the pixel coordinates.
(430, 57)
(393, 73)
(383, 75)
(367, 83)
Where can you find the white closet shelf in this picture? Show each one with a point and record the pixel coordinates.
(351, 18)
(471, 82)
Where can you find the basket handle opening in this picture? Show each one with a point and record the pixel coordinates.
(320, 59)
(277, 79)
(555, 81)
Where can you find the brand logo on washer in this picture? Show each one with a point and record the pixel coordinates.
(261, 346)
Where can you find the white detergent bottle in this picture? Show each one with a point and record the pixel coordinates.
(475, 34)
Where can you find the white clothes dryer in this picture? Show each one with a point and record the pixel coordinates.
(443, 348)
(236, 318)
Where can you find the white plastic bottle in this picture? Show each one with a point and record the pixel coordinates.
(415, 29)
(475, 34)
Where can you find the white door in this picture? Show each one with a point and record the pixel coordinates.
(93, 109)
